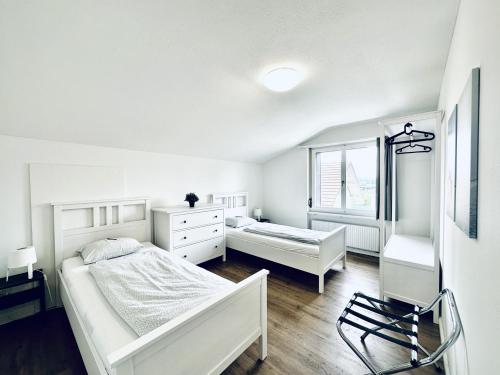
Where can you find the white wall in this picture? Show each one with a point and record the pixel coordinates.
(345, 133)
(164, 178)
(471, 267)
(285, 187)
(414, 194)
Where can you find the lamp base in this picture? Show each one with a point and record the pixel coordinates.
(30, 271)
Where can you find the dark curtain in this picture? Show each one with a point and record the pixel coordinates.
(378, 178)
(388, 184)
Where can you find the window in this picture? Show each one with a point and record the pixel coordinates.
(344, 179)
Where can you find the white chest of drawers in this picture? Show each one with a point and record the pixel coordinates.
(195, 234)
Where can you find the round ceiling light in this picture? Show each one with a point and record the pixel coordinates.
(282, 79)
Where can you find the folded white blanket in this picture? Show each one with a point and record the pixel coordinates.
(309, 236)
(151, 287)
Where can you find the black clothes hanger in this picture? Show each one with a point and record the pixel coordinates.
(413, 148)
(408, 131)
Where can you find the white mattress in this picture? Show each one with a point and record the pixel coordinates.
(238, 234)
(106, 328)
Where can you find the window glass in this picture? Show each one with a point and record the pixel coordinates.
(345, 179)
(329, 177)
(361, 178)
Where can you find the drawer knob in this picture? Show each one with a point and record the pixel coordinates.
(184, 256)
(184, 222)
(216, 246)
(215, 217)
(184, 238)
(216, 230)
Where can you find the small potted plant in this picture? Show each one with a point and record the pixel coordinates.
(192, 198)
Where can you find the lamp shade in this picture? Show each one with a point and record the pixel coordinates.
(257, 212)
(21, 257)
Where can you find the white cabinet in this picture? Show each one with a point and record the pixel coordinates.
(409, 274)
(195, 234)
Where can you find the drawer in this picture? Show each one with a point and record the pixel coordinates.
(189, 236)
(197, 219)
(202, 251)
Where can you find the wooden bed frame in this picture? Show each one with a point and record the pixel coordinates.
(331, 250)
(204, 340)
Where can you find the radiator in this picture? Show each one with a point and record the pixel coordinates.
(357, 236)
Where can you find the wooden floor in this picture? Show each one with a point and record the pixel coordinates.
(40, 346)
(302, 337)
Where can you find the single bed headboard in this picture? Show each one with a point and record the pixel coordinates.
(235, 204)
(79, 223)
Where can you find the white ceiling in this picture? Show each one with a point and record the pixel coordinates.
(183, 76)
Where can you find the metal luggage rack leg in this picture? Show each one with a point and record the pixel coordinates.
(374, 305)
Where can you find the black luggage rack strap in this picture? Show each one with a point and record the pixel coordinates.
(410, 317)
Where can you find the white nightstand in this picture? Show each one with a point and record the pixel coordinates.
(195, 234)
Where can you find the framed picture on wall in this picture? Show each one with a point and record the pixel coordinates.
(467, 148)
(451, 165)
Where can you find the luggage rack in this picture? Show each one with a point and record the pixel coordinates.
(362, 303)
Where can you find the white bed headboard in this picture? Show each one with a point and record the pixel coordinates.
(235, 204)
(78, 223)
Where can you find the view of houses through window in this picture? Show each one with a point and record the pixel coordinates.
(345, 179)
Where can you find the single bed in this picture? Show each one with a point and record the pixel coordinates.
(314, 259)
(186, 342)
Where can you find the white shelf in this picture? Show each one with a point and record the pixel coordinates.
(413, 251)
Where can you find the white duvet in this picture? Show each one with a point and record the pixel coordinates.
(151, 287)
(307, 236)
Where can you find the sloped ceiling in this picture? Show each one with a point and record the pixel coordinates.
(182, 76)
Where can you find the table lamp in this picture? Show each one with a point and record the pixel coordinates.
(23, 257)
(257, 213)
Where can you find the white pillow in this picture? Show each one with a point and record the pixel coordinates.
(108, 248)
(239, 221)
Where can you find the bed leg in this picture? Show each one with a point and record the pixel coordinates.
(344, 261)
(263, 346)
(321, 287)
(263, 320)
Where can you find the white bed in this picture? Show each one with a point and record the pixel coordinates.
(238, 235)
(187, 342)
(314, 259)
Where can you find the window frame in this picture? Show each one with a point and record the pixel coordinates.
(313, 179)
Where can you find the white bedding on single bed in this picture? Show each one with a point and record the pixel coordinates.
(287, 245)
(312, 237)
(151, 287)
(106, 328)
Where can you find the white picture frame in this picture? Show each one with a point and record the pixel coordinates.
(466, 192)
(451, 164)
